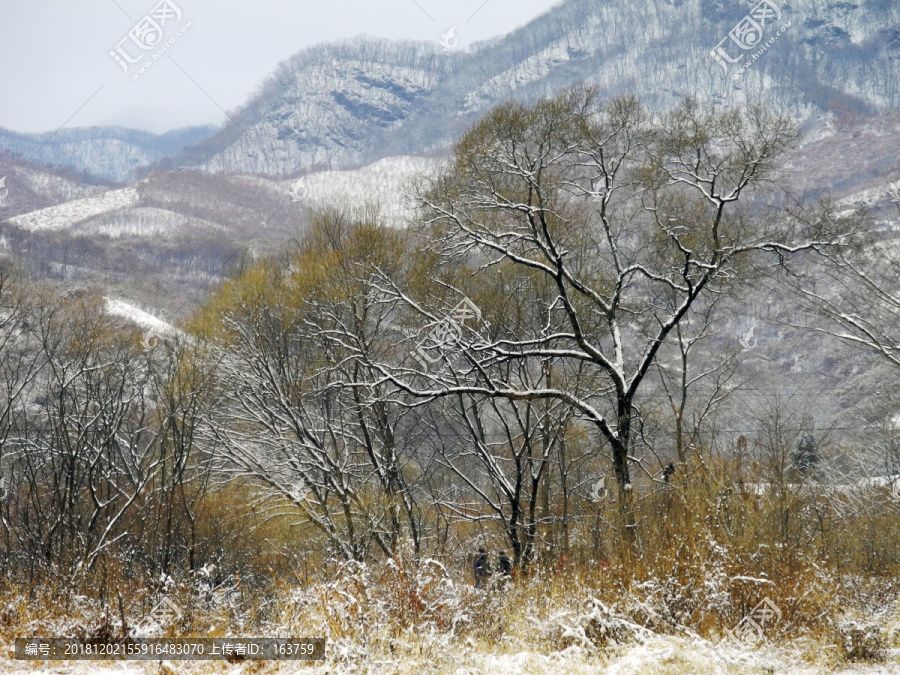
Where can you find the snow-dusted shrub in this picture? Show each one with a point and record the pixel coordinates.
(693, 590)
(603, 627)
(862, 640)
(595, 626)
(397, 593)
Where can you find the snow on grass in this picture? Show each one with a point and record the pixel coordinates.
(145, 320)
(383, 182)
(664, 654)
(671, 655)
(145, 221)
(66, 214)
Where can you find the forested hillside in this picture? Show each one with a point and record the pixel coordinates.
(347, 104)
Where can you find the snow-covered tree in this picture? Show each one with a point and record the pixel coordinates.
(627, 219)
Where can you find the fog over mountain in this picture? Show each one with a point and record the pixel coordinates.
(111, 153)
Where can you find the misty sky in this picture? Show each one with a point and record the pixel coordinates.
(55, 54)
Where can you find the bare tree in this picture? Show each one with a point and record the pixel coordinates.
(501, 450)
(301, 417)
(182, 385)
(854, 293)
(681, 377)
(85, 447)
(629, 220)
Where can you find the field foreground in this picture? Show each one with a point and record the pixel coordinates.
(400, 619)
(662, 654)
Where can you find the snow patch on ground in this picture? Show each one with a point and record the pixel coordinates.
(868, 197)
(143, 319)
(54, 187)
(63, 215)
(381, 182)
(145, 221)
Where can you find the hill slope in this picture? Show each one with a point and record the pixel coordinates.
(351, 103)
(112, 153)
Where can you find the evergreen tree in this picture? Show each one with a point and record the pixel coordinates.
(806, 455)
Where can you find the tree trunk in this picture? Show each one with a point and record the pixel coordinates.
(623, 475)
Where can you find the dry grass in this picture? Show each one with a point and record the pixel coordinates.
(704, 558)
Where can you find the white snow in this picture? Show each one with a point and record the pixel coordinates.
(66, 214)
(383, 182)
(660, 654)
(54, 187)
(145, 221)
(143, 319)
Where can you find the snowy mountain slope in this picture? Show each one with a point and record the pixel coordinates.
(348, 104)
(127, 311)
(164, 241)
(179, 204)
(841, 153)
(173, 234)
(383, 182)
(30, 187)
(68, 213)
(328, 105)
(143, 221)
(53, 187)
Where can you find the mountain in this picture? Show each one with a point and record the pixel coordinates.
(163, 241)
(347, 104)
(329, 106)
(112, 153)
(29, 187)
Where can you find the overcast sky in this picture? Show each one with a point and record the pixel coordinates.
(55, 61)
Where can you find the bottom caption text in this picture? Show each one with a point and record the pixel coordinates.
(174, 649)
